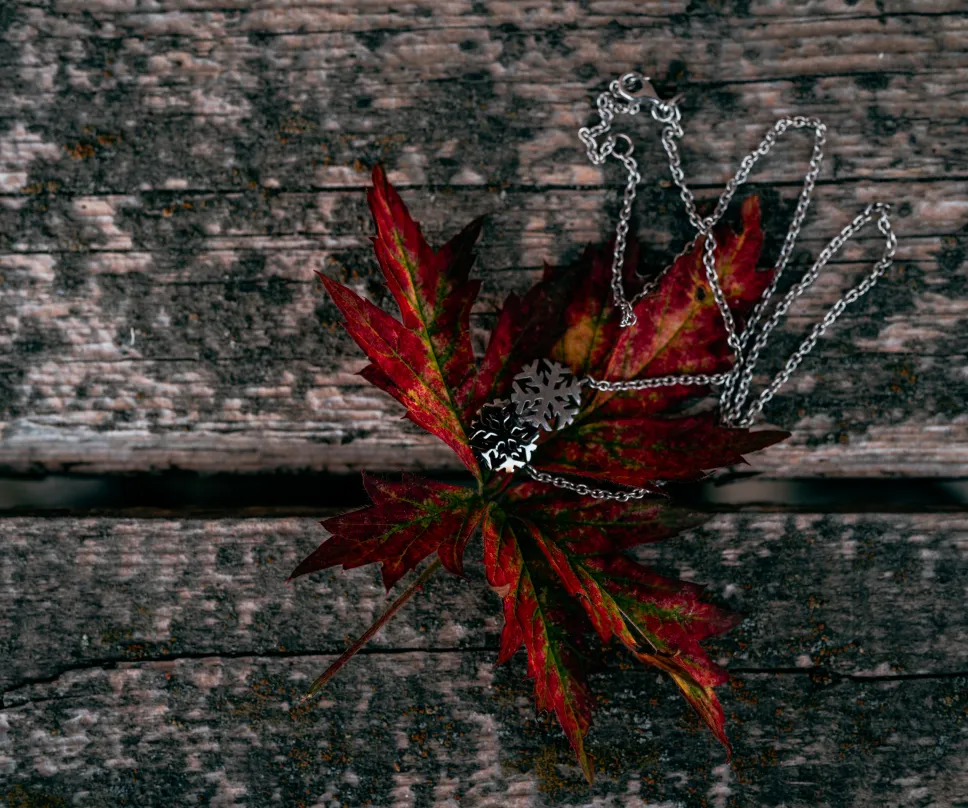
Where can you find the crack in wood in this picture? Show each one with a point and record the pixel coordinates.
(819, 674)
(510, 188)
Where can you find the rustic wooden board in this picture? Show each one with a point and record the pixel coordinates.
(444, 729)
(166, 657)
(171, 177)
(862, 593)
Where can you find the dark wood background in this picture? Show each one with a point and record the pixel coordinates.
(172, 172)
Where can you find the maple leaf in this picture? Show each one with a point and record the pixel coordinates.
(406, 523)
(536, 615)
(563, 565)
(540, 550)
(431, 288)
(426, 361)
(637, 450)
(679, 329)
(629, 437)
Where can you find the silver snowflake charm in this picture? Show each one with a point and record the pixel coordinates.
(546, 395)
(502, 441)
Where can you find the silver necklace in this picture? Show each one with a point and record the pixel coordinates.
(546, 396)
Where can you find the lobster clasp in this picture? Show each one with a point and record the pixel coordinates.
(635, 87)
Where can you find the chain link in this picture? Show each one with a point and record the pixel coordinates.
(624, 96)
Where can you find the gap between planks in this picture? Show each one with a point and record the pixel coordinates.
(258, 496)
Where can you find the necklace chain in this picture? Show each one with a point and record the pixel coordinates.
(625, 96)
(585, 490)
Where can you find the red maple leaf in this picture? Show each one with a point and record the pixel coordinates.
(407, 522)
(563, 565)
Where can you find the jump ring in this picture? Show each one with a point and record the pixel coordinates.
(626, 151)
(664, 113)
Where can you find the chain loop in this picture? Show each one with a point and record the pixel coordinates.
(625, 96)
(748, 345)
(743, 373)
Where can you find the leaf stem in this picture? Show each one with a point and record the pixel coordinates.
(384, 618)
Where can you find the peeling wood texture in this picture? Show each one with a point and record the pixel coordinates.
(170, 177)
(153, 656)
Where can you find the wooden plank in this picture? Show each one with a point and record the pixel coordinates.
(161, 357)
(167, 194)
(448, 729)
(856, 595)
(166, 657)
(440, 114)
(158, 230)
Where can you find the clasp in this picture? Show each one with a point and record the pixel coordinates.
(636, 87)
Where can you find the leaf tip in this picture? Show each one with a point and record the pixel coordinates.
(334, 287)
(764, 438)
(453, 563)
(750, 211)
(473, 230)
(587, 766)
(299, 571)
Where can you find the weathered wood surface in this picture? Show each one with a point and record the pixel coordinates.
(171, 177)
(151, 657)
(443, 729)
(862, 593)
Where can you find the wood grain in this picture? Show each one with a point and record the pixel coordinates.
(167, 657)
(854, 594)
(170, 178)
(440, 729)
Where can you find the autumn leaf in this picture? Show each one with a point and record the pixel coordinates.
(636, 437)
(563, 565)
(431, 288)
(679, 328)
(637, 450)
(659, 619)
(599, 526)
(425, 361)
(407, 522)
(536, 615)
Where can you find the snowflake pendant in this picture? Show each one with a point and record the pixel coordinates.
(501, 439)
(546, 395)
